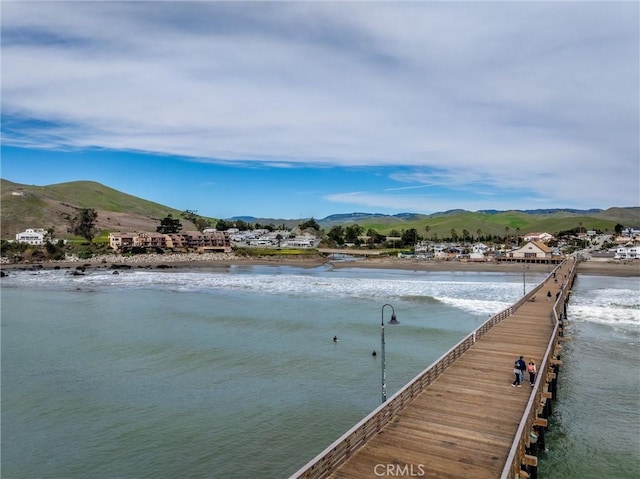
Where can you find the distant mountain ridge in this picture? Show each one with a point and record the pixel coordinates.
(355, 217)
(489, 221)
(548, 211)
(28, 206)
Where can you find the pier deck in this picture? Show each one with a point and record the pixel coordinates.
(464, 423)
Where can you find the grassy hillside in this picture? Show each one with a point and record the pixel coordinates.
(518, 222)
(89, 194)
(49, 206)
(624, 216)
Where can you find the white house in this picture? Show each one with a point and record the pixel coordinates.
(632, 252)
(477, 256)
(300, 242)
(544, 237)
(480, 248)
(261, 242)
(33, 236)
(439, 248)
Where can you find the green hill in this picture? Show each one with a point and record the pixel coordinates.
(26, 206)
(517, 222)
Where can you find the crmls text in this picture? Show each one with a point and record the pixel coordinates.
(399, 470)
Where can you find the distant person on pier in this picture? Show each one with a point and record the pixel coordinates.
(531, 368)
(549, 295)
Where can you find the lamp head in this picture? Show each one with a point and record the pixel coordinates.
(393, 319)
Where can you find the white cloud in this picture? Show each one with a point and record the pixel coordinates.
(539, 96)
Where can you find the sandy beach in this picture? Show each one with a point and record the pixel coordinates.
(184, 261)
(606, 268)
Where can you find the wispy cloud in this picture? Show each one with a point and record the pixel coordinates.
(487, 97)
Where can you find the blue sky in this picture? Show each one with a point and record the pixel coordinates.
(306, 109)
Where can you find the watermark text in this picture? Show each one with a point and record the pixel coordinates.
(399, 470)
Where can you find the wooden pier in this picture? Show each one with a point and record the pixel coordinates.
(461, 417)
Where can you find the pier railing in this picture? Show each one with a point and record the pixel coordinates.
(328, 460)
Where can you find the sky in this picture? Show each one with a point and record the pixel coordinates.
(307, 109)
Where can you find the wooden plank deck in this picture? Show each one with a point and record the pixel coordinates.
(464, 423)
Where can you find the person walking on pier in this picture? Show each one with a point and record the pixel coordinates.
(531, 368)
(523, 367)
(518, 369)
(516, 372)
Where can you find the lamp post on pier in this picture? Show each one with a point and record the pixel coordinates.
(393, 320)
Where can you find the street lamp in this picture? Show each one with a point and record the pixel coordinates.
(393, 320)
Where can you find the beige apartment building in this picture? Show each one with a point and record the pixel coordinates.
(214, 241)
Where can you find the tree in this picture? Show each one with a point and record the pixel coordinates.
(336, 233)
(619, 228)
(352, 232)
(242, 225)
(169, 225)
(479, 233)
(55, 251)
(270, 227)
(427, 228)
(410, 237)
(48, 237)
(83, 224)
(223, 225)
(374, 236)
(200, 222)
(313, 224)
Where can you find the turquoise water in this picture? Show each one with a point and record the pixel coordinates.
(595, 429)
(232, 373)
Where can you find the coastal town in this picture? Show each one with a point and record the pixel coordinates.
(530, 247)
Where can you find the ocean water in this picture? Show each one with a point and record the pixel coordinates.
(232, 372)
(595, 429)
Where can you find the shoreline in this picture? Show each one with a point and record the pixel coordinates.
(225, 260)
(601, 268)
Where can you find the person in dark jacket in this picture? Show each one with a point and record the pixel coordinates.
(519, 368)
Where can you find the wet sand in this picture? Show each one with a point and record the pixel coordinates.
(585, 267)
